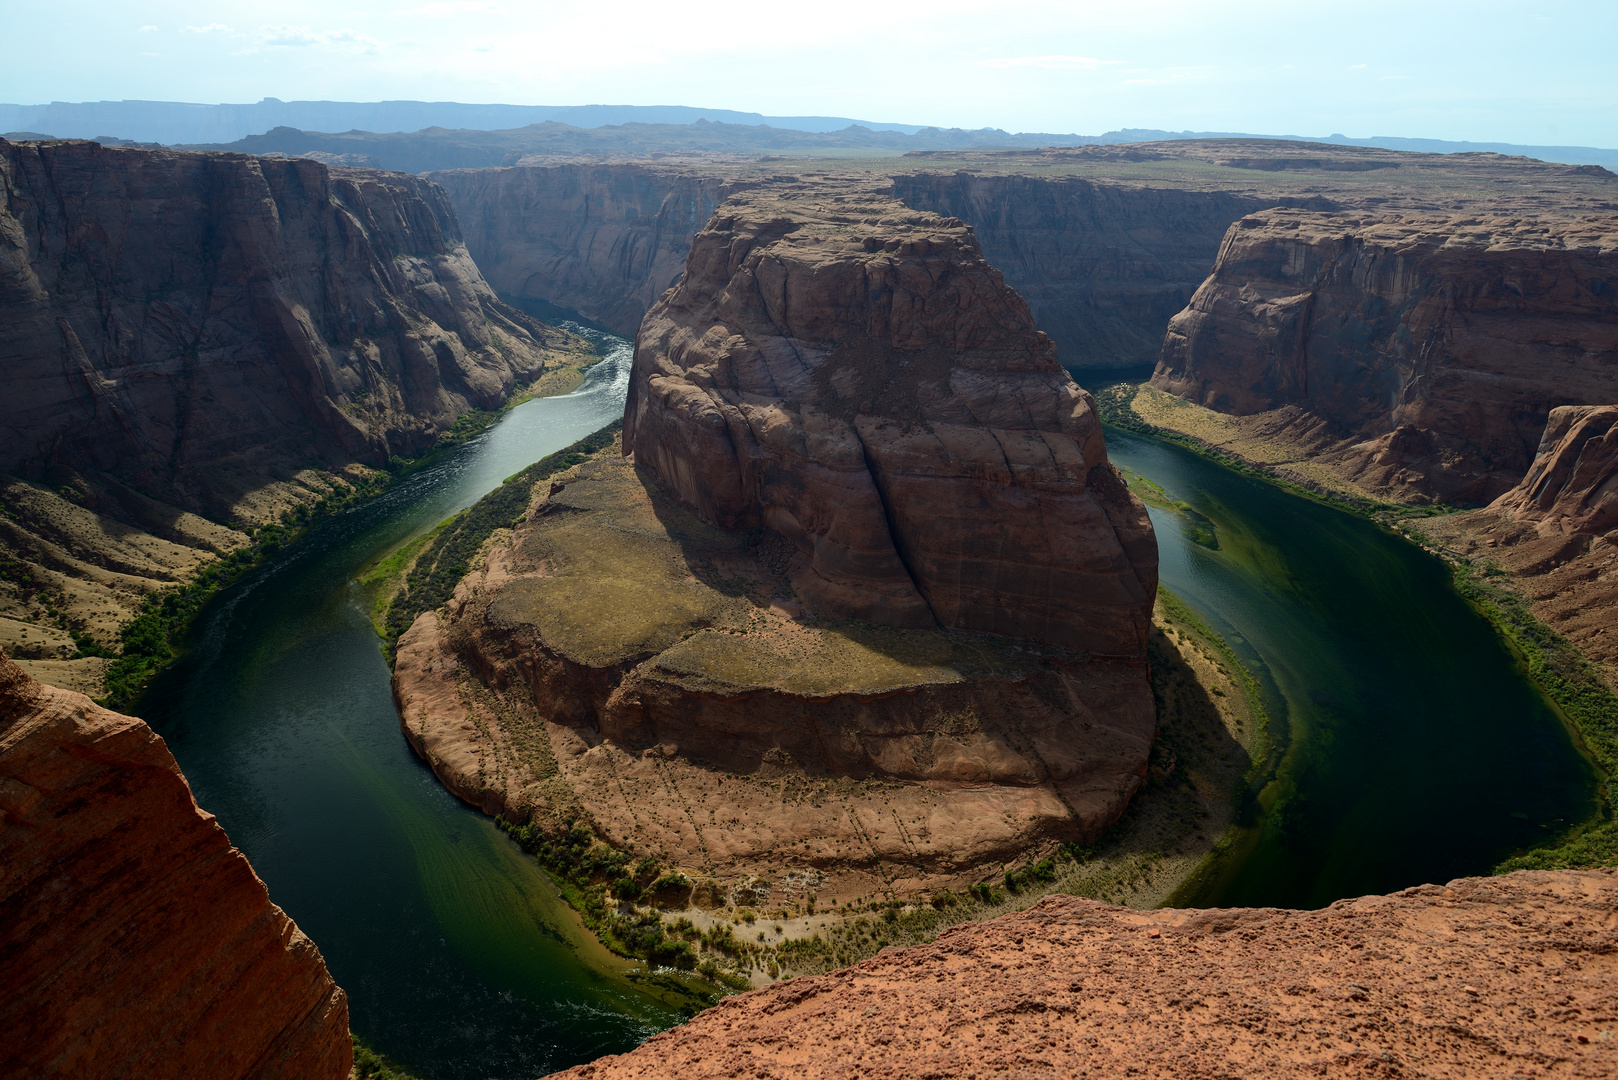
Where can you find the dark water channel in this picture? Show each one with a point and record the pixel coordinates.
(458, 955)
(1416, 752)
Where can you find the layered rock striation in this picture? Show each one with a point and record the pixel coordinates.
(1103, 265)
(857, 608)
(177, 317)
(854, 376)
(603, 240)
(1556, 532)
(1513, 975)
(134, 940)
(1417, 356)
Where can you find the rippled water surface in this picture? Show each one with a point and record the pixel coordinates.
(1415, 750)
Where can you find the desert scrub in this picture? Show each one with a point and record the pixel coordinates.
(370, 1065)
(155, 636)
(593, 877)
(444, 560)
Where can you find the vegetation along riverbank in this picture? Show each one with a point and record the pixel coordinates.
(1581, 692)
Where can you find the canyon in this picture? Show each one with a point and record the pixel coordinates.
(855, 606)
(858, 575)
(196, 345)
(135, 939)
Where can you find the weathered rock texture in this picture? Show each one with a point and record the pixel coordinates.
(618, 660)
(134, 940)
(603, 240)
(1556, 532)
(172, 317)
(1103, 265)
(1415, 355)
(855, 376)
(1507, 976)
(1105, 242)
(191, 344)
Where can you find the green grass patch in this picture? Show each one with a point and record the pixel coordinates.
(370, 1065)
(447, 557)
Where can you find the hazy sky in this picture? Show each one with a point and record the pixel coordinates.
(1541, 72)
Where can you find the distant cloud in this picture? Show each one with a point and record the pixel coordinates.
(1356, 67)
(211, 28)
(448, 9)
(1048, 63)
(295, 36)
(147, 29)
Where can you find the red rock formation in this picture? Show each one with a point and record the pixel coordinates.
(1573, 484)
(1507, 976)
(1422, 351)
(854, 376)
(134, 940)
(181, 318)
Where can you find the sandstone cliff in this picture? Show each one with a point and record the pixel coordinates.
(855, 376)
(193, 345)
(134, 940)
(1507, 976)
(604, 240)
(179, 317)
(1414, 355)
(1103, 265)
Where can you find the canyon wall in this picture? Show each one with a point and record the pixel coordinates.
(1103, 266)
(855, 376)
(135, 941)
(1505, 976)
(183, 319)
(1419, 353)
(603, 240)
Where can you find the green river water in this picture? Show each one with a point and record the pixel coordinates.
(1415, 752)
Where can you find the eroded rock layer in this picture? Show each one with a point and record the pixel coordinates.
(616, 659)
(1556, 533)
(603, 240)
(1506, 976)
(134, 940)
(199, 324)
(1415, 355)
(854, 376)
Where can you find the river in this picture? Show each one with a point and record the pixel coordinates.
(1415, 751)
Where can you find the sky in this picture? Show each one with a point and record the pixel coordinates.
(1539, 73)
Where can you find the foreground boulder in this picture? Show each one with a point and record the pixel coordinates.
(134, 940)
(1507, 976)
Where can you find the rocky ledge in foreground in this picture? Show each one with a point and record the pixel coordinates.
(865, 615)
(1507, 976)
(134, 940)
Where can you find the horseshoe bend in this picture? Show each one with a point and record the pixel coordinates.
(855, 605)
